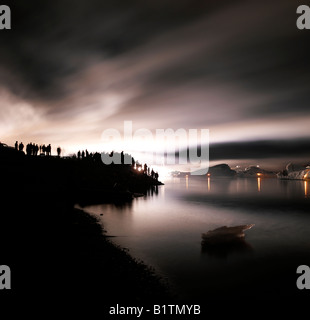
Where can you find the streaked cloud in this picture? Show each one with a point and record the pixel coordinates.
(70, 70)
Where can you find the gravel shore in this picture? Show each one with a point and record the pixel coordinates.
(111, 269)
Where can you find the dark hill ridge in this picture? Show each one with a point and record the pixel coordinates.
(221, 170)
(81, 178)
(58, 253)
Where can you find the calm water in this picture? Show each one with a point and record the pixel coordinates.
(164, 230)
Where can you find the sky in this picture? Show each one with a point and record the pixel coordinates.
(71, 69)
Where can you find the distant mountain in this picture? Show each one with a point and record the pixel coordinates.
(254, 172)
(221, 170)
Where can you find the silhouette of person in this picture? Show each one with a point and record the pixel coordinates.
(40, 149)
(79, 155)
(97, 157)
(83, 154)
(21, 147)
(16, 145)
(58, 151)
(152, 173)
(28, 149)
(36, 149)
(87, 154)
(49, 150)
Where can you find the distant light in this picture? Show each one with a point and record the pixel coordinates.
(257, 166)
(259, 174)
(209, 174)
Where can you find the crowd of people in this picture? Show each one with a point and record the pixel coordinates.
(81, 155)
(84, 154)
(149, 172)
(33, 149)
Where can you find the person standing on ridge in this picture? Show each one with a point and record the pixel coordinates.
(21, 147)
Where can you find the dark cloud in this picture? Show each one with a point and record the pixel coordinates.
(260, 149)
(266, 58)
(53, 39)
(257, 150)
(82, 66)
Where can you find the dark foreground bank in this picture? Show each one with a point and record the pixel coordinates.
(59, 254)
(56, 250)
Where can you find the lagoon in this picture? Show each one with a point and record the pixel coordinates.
(164, 230)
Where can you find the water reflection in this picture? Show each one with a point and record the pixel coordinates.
(259, 184)
(222, 251)
(152, 191)
(243, 186)
(306, 189)
(270, 188)
(164, 229)
(106, 209)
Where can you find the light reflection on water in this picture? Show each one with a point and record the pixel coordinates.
(164, 230)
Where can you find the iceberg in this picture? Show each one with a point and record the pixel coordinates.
(295, 172)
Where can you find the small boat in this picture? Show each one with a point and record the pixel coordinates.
(224, 235)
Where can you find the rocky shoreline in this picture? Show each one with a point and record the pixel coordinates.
(119, 276)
